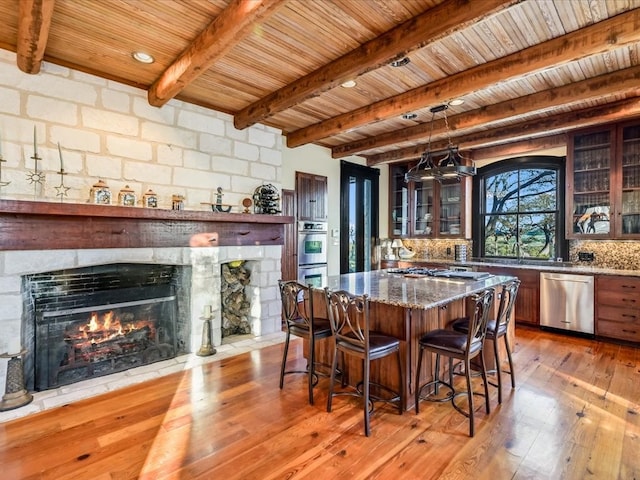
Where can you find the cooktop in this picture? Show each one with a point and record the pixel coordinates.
(440, 273)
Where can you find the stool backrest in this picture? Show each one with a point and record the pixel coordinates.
(349, 317)
(507, 301)
(478, 321)
(297, 303)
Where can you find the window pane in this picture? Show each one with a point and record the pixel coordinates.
(537, 236)
(500, 236)
(502, 192)
(537, 190)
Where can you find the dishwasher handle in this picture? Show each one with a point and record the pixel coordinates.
(568, 278)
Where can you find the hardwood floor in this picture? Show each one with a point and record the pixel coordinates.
(574, 415)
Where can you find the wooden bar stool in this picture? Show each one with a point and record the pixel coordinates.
(460, 346)
(349, 319)
(497, 328)
(297, 309)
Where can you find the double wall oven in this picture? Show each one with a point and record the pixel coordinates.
(313, 242)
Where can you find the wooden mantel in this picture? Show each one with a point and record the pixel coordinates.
(27, 225)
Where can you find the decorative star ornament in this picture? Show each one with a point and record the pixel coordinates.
(61, 191)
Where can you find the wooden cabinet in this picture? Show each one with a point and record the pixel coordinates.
(428, 209)
(527, 307)
(312, 196)
(603, 182)
(618, 307)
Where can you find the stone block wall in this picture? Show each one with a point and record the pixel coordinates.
(108, 131)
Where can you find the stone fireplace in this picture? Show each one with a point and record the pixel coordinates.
(191, 245)
(202, 274)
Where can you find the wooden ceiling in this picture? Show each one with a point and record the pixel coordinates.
(528, 71)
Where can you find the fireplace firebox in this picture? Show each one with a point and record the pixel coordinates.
(96, 321)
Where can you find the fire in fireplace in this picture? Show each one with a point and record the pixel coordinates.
(88, 342)
(96, 321)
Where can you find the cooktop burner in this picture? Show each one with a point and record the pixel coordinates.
(440, 273)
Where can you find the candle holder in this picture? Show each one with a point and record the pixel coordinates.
(2, 183)
(206, 349)
(62, 190)
(35, 177)
(16, 394)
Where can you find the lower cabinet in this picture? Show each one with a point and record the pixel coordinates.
(618, 307)
(528, 300)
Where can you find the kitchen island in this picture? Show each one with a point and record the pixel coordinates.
(406, 307)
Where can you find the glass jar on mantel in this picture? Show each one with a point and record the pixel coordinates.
(603, 182)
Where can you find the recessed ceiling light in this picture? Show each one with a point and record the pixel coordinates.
(143, 57)
(349, 84)
(410, 116)
(401, 63)
(457, 101)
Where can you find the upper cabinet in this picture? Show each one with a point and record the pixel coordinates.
(312, 196)
(428, 209)
(603, 182)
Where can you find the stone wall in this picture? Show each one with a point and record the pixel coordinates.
(108, 131)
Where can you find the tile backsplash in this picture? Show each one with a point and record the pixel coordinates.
(616, 254)
(620, 254)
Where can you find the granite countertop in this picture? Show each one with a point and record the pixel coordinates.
(542, 266)
(420, 293)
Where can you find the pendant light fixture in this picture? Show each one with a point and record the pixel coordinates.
(441, 165)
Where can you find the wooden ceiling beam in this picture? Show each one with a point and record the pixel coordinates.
(519, 148)
(556, 124)
(435, 23)
(598, 38)
(234, 23)
(618, 82)
(34, 22)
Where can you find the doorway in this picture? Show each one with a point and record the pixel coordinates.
(358, 217)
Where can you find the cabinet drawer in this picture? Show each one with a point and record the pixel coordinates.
(620, 330)
(618, 298)
(618, 314)
(627, 285)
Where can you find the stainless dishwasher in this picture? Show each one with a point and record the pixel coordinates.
(566, 302)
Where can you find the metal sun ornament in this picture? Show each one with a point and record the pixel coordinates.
(35, 177)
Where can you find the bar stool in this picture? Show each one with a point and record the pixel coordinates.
(497, 328)
(350, 323)
(297, 309)
(460, 346)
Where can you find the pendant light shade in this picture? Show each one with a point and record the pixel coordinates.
(443, 164)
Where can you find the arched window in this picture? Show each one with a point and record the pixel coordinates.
(520, 205)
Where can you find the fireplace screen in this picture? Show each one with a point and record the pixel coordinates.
(90, 342)
(102, 320)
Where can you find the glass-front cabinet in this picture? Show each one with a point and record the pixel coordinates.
(588, 183)
(428, 208)
(630, 155)
(424, 208)
(603, 182)
(398, 202)
(451, 212)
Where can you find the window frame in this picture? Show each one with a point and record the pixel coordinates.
(515, 164)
